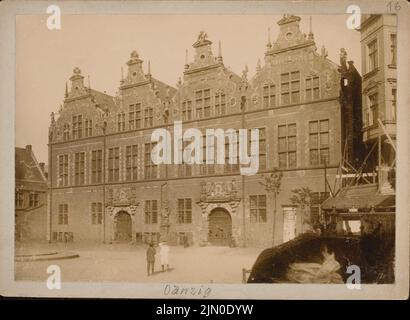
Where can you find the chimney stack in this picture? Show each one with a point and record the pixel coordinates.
(28, 147)
(42, 166)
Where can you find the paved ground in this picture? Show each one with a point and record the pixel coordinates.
(126, 262)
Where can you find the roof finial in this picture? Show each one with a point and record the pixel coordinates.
(66, 90)
(186, 59)
(310, 36)
(258, 66)
(89, 83)
(219, 51)
(149, 67)
(269, 45)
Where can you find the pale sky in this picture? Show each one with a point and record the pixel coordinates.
(100, 45)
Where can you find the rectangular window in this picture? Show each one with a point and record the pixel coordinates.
(151, 211)
(150, 169)
(262, 147)
(134, 116)
(319, 142)
(257, 206)
(203, 103)
(63, 170)
(19, 201)
(184, 210)
(77, 126)
(79, 168)
(269, 95)
(287, 145)
(113, 164)
(220, 104)
(207, 103)
(96, 213)
(187, 110)
(228, 167)
(88, 128)
(393, 41)
(372, 55)
(184, 169)
(121, 122)
(373, 109)
(34, 199)
(66, 132)
(131, 163)
(148, 117)
(312, 88)
(96, 166)
(290, 87)
(207, 168)
(63, 213)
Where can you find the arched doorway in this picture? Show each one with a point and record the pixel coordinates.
(122, 226)
(220, 227)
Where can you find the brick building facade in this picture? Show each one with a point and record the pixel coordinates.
(104, 187)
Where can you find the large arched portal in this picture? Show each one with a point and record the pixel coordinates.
(122, 226)
(220, 227)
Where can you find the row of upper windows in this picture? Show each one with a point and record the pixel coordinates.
(319, 147)
(205, 105)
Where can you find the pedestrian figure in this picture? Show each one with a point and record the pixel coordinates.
(164, 255)
(150, 259)
(186, 242)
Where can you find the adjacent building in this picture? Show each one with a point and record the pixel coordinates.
(103, 185)
(379, 63)
(30, 196)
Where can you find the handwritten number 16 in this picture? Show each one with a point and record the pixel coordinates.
(394, 5)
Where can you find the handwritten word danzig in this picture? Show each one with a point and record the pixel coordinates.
(197, 291)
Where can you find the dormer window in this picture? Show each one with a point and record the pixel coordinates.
(290, 87)
(148, 117)
(312, 88)
(121, 122)
(77, 126)
(269, 95)
(203, 103)
(66, 132)
(88, 128)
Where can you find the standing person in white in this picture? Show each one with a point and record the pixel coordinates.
(164, 255)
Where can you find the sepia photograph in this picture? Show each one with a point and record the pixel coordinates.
(184, 150)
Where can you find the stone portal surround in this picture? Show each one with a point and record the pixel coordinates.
(230, 207)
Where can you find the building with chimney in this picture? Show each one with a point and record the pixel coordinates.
(30, 196)
(103, 185)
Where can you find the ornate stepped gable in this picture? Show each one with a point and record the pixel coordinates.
(80, 100)
(206, 72)
(142, 91)
(293, 51)
(206, 77)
